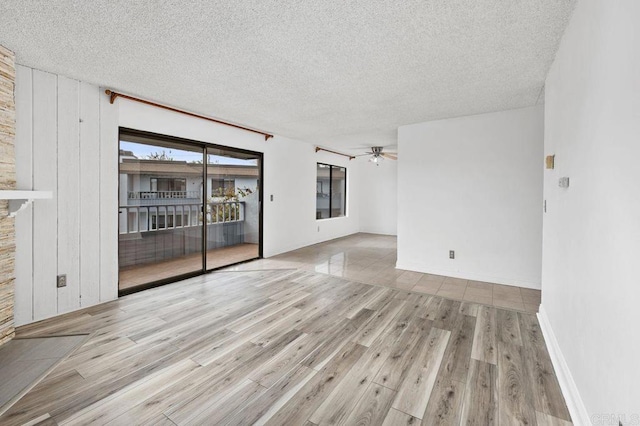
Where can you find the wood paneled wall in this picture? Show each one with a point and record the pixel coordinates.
(67, 143)
(7, 181)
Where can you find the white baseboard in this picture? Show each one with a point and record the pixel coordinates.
(271, 252)
(379, 231)
(526, 283)
(578, 411)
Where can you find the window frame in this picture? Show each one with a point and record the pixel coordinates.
(344, 198)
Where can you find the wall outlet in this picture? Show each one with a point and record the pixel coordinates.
(271, 197)
(452, 254)
(61, 281)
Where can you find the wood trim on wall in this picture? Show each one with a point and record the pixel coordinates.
(7, 181)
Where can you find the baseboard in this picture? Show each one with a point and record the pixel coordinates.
(378, 232)
(579, 414)
(292, 247)
(470, 276)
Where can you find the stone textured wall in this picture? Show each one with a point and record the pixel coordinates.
(7, 181)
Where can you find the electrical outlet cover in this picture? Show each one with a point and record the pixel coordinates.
(61, 281)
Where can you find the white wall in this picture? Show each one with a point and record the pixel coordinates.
(66, 142)
(289, 175)
(378, 196)
(591, 267)
(473, 185)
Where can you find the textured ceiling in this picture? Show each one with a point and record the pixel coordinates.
(343, 74)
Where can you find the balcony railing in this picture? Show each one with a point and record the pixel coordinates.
(135, 219)
(158, 195)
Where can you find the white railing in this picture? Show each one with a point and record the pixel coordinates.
(135, 219)
(155, 195)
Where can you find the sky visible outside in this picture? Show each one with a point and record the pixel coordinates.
(142, 151)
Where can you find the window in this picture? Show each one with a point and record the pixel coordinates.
(331, 191)
(220, 187)
(168, 184)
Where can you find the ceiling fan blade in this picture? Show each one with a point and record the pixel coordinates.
(390, 156)
(362, 155)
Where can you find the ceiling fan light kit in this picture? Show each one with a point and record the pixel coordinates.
(377, 159)
(377, 155)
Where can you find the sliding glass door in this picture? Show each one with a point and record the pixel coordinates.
(233, 206)
(184, 208)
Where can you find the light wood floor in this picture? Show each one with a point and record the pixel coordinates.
(371, 259)
(294, 347)
(133, 276)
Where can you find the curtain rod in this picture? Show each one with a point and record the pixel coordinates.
(114, 95)
(351, 157)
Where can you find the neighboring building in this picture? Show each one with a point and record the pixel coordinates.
(157, 197)
(156, 184)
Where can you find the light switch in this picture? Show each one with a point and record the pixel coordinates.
(563, 182)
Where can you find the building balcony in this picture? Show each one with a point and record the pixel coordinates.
(158, 240)
(144, 198)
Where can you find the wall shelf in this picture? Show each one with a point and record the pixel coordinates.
(20, 199)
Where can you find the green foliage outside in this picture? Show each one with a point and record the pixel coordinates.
(223, 206)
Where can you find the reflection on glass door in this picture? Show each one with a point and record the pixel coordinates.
(184, 208)
(160, 210)
(232, 207)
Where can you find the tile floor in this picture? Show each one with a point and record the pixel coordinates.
(24, 362)
(371, 259)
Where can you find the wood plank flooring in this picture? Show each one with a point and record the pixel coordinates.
(294, 347)
(24, 362)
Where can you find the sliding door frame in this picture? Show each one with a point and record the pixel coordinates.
(203, 146)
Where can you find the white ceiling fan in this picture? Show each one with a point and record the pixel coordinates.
(377, 155)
